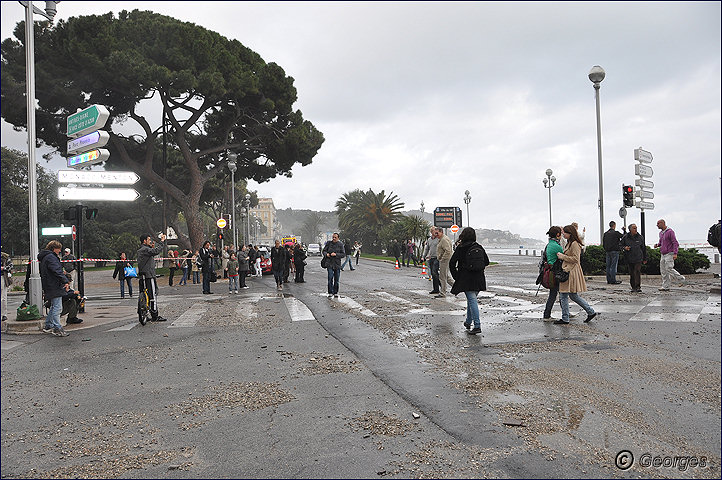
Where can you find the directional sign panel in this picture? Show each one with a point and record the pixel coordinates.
(100, 194)
(644, 194)
(88, 120)
(643, 170)
(642, 183)
(56, 231)
(642, 155)
(645, 205)
(89, 158)
(88, 142)
(103, 178)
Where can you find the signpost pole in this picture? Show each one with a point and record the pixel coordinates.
(81, 276)
(641, 225)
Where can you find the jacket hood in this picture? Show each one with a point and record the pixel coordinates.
(44, 253)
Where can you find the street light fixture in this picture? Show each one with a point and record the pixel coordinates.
(247, 206)
(467, 201)
(246, 240)
(232, 167)
(596, 75)
(422, 209)
(548, 184)
(35, 289)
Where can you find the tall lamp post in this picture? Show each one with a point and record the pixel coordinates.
(422, 209)
(232, 167)
(246, 240)
(596, 75)
(467, 201)
(35, 289)
(247, 206)
(548, 184)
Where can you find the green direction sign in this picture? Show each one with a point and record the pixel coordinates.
(88, 120)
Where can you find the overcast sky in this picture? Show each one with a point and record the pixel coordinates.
(430, 99)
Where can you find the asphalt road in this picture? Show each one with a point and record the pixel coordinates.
(382, 382)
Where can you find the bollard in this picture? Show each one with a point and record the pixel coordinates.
(533, 253)
(519, 252)
(716, 258)
(527, 253)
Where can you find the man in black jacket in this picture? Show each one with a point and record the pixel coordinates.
(146, 272)
(635, 253)
(206, 255)
(334, 251)
(610, 242)
(55, 284)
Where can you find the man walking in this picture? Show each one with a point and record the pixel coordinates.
(348, 258)
(395, 250)
(635, 254)
(610, 242)
(55, 284)
(668, 247)
(334, 251)
(444, 251)
(430, 256)
(146, 273)
(278, 262)
(69, 266)
(206, 255)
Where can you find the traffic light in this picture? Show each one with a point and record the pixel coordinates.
(70, 213)
(628, 195)
(91, 213)
(220, 235)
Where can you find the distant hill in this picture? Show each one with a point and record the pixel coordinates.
(292, 223)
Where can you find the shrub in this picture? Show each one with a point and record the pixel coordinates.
(689, 260)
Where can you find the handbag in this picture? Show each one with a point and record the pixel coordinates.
(560, 275)
(547, 280)
(28, 312)
(324, 262)
(130, 272)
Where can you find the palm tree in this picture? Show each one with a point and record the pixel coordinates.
(362, 215)
(312, 227)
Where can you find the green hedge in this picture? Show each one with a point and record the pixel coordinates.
(689, 260)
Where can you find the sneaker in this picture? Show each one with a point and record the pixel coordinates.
(561, 322)
(590, 317)
(47, 329)
(474, 331)
(663, 289)
(467, 325)
(549, 319)
(75, 320)
(158, 319)
(330, 295)
(59, 332)
(434, 292)
(335, 295)
(235, 291)
(441, 295)
(230, 292)
(246, 286)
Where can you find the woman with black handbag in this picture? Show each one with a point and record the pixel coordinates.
(119, 272)
(574, 282)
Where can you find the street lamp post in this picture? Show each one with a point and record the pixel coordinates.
(232, 167)
(467, 201)
(422, 209)
(35, 289)
(246, 205)
(596, 75)
(246, 240)
(548, 184)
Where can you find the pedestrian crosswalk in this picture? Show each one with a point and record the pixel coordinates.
(498, 304)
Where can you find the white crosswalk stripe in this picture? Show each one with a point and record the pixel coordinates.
(190, 318)
(298, 310)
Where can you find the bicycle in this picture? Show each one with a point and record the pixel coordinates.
(143, 302)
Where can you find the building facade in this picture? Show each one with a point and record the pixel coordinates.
(266, 213)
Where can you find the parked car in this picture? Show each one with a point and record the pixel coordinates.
(313, 249)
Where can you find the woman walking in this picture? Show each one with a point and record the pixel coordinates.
(195, 271)
(299, 261)
(185, 259)
(467, 266)
(172, 266)
(575, 283)
(120, 274)
(553, 247)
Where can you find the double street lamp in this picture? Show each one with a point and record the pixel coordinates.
(467, 201)
(548, 184)
(232, 167)
(596, 75)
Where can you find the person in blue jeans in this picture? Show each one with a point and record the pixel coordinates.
(348, 257)
(119, 273)
(553, 247)
(466, 280)
(575, 283)
(610, 242)
(55, 283)
(334, 251)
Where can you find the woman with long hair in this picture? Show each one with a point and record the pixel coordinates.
(575, 284)
(467, 267)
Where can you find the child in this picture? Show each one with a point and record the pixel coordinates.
(232, 269)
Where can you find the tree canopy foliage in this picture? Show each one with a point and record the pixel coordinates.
(363, 215)
(217, 96)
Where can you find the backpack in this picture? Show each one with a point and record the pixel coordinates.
(546, 272)
(476, 259)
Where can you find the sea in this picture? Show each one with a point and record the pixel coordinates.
(701, 245)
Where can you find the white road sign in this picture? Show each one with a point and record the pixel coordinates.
(642, 155)
(88, 142)
(100, 194)
(644, 205)
(56, 231)
(641, 183)
(644, 194)
(643, 170)
(101, 177)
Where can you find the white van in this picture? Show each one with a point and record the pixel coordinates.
(313, 249)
